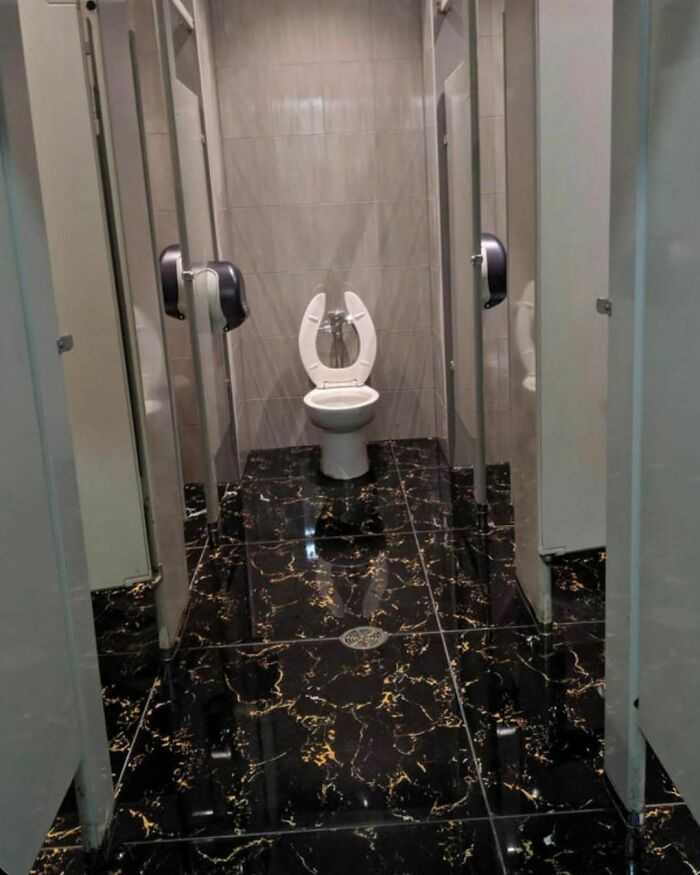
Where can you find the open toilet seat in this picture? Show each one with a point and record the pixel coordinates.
(355, 374)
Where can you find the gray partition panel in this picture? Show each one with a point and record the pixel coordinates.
(670, 474)
(574, 75)
(51, 719)
(624, 745)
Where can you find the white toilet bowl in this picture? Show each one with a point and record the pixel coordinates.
(341, 405)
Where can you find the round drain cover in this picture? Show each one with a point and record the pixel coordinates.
(364, 637)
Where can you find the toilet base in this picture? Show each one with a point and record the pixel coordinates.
(344, 454)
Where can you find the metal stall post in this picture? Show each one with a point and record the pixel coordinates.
(177, 120)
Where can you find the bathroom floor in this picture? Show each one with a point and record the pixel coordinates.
(464, 743)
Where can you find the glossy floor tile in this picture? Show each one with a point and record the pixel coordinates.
(292, 462)
(125, 619)
(418, 453)
(669, 844)
(441, 499)
(300, 735)
(127, 680)
(473, 580)
(466, 848)
(535, 710)
(309, 589)
(468, 742)
(578, 587)
(66, 861)
(314, 507)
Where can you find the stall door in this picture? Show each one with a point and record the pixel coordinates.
(47, 732)
(670, 475)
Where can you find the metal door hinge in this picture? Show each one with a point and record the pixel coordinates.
(604, 306)
(65, 343)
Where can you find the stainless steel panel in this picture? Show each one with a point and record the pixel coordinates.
(51, 719)
(670, 470)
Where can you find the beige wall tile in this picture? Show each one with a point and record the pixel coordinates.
(275, 170)
(403, 232)
(302, 238)
(348, 96)
(401, 165)
(396, 30)
(160, 172)
(271, 101)
(241, 32)
(152, 93)
(491, 84)
(318, 201)
(166, 228)
(346, 30)
(404, 415)
(294, 31)
(349, 171)
(497, 436)
(182, 374)
(278, 300)
(273, 368)
(398, 94)
(191, 454)
(404, 360)
(280, 422)
(495, 374)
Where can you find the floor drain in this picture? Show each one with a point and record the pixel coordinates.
(364, 637)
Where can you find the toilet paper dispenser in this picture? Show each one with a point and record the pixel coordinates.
(494, 271)
(221, 281)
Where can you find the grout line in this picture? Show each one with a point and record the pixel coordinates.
(369, 824)
(183, 626)
(147, 703)
(455, 683)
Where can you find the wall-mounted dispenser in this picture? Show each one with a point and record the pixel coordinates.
(227, 302)
(221, 281)
(494, 271)
(171, 281)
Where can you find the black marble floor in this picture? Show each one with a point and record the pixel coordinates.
(467, 743)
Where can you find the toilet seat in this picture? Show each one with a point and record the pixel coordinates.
(355, 374)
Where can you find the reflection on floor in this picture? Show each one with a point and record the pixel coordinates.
(467, 743)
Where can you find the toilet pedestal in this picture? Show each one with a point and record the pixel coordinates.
(344, 454)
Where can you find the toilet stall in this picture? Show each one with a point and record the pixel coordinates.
(558, 69)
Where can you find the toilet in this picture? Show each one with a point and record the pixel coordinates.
(341, 405)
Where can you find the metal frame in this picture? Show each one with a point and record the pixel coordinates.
(477, 258)
(169, 75)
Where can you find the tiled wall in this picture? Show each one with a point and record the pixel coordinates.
(493, 220)
(321, 105)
